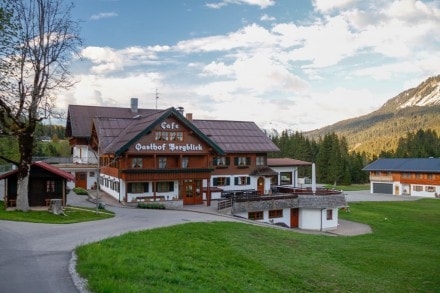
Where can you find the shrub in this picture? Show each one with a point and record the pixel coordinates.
(154, 205)
(80, 191)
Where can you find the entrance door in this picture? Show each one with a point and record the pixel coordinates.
(192, 192)
(260, 187)
(81, 180)
(294, 218)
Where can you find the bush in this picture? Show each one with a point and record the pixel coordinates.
(80, 191)
(154, 205)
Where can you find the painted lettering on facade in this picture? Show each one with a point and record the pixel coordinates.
(168, 147)
(169, 126)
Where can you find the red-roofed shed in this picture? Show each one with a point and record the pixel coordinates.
(46, 182)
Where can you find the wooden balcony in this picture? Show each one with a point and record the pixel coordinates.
(381, 178)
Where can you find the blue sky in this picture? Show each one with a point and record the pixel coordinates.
(284, 64)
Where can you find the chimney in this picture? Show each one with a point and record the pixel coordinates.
(180, 109)
(134, 105)
(189, 117)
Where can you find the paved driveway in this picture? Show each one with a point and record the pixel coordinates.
(35, 257)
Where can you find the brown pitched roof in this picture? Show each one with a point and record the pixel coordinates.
(116, 126)
(79, 118)
(280, 162)
(116, 135)
(236, 136)
(46, 166)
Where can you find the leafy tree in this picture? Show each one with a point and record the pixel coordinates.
(37, 40)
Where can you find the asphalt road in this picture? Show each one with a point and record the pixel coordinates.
(35, 257)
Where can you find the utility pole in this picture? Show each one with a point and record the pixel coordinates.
(98, 177)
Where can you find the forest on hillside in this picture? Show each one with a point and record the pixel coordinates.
(381, 131)
(336, 164)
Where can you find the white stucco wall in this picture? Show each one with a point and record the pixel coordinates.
(310, 219)
(82, 154)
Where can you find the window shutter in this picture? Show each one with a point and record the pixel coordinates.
(228, 161)
(236, 181)
(248, 180)
(236, 161)
(248, 161)
(228, 181)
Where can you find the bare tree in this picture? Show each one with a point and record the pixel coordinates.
(38, 40)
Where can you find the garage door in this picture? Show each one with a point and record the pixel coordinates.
(383, 188)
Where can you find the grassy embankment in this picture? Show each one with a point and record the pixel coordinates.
(402, 255)
(72, 215)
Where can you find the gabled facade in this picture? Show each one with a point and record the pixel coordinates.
(161, 155)
(405, 176)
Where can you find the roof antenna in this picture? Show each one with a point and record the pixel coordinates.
(157, 98)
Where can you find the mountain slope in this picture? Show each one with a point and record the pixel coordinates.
(413, 109)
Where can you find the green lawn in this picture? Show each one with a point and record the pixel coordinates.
(73, 215)
(402, 255)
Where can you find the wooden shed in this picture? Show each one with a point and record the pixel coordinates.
(46, 182)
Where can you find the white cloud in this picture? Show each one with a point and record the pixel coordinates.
(260, 3)
(112, 91)
(250, 36)
(103, 15)
(106, 60)
(266, 17)
(326, 5)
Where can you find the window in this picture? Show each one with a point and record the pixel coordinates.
(221, 181)
(185, 161)
(220, 161)
(242, 180)
(430, 188)
(242, 161)
(255, 216)
(162, 163)
(417, 188)
(136, 187)
(169, 135)
(406, 175)
(136, 163)
(286, 178)
(418, 176)
(329, 215)
(92, 174)
(275, 214)
(165, 186)
(261, 161)
(50, 186)
(430, 176)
